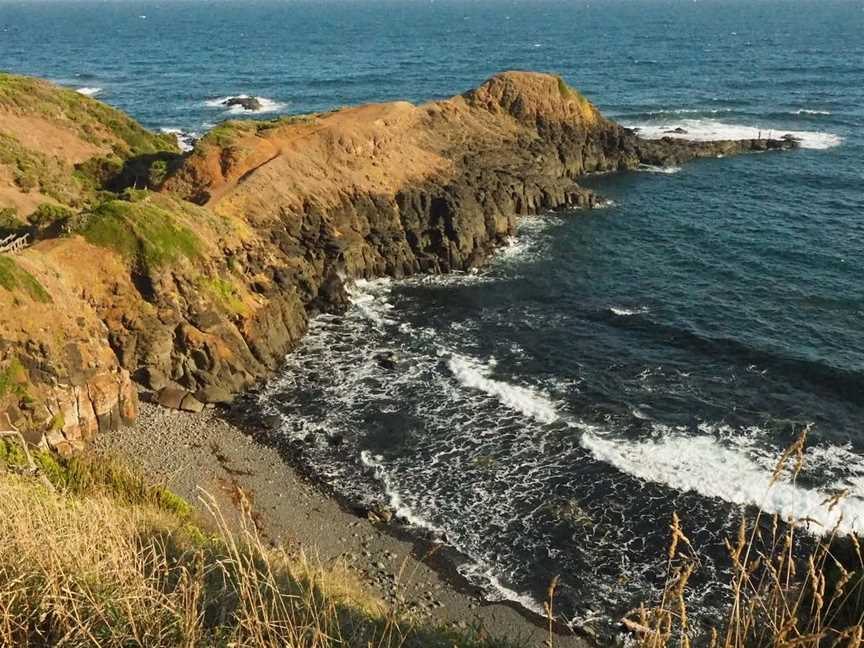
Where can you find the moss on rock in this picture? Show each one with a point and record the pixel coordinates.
(142, 232)
(14, 278)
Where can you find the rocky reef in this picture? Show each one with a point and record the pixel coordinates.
(197, 286)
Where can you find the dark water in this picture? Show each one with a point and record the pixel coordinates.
(608, 368)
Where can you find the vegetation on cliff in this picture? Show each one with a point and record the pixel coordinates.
(95, 122)
(199, 272)
(143, 233)
(13, 279)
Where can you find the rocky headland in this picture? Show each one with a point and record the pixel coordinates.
(192, 275)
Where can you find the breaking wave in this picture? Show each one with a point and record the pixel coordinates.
(89, 91)
(627, 312)
(475, 375)
(698, 464)
(713, 130)
(267, 105)
(185, 139)
(650, 168)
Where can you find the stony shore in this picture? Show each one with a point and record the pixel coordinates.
(204, 454)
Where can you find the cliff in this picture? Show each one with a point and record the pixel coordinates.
(201, 283)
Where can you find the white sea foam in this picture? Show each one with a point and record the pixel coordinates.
(395, 501)
(650, 168)
(805, 111)
(88, 91)
(267, 105)
(707, 130)
(370, 299)
(477, 573)
(529, 402)
(701, 465)
(185, 139)
(627, 312)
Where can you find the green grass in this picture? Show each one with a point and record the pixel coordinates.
(227, 133)
(89, 117)
(88, 475)
(227, 294)
(33, 171)
(13, 379)
(14, 279)
(141, 232)
(570, 93)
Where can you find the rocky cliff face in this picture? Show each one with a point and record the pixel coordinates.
(204, 285)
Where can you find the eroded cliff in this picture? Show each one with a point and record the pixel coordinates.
(203, 283)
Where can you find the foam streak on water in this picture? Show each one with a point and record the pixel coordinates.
(446, 416)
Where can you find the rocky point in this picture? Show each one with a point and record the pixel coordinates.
(196, 287)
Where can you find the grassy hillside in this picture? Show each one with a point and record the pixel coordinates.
(101, 558)
(59, 148)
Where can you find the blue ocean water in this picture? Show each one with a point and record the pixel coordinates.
(608, 367)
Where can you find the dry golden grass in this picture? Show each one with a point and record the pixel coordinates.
(782, 596)
(89, 570)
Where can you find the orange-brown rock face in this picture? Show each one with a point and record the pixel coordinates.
(204, 287)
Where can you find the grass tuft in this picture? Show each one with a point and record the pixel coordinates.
(783, 595)
(142, 233)
(14, 278)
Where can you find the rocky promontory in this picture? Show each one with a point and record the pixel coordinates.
(193, 275)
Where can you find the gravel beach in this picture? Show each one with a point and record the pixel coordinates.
(204, 453)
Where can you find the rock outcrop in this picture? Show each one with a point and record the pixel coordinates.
(198, 289)
(246, 103)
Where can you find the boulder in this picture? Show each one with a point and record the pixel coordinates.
(246, 103)
(151, 378)
(171, 397)
(388, 360)
(191, 404)
(214, 394)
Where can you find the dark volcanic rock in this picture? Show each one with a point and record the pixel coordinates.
(284, 216)
(246, 103)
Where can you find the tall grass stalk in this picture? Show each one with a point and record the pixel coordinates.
(782, 594)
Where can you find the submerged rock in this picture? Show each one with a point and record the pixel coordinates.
(389, 360)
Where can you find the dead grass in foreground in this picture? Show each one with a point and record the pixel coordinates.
(96, 569)
(779, 598)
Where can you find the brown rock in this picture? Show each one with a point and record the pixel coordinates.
(214, 394)
(172, 397)
(191, 404)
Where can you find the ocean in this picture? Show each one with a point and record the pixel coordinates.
(549, 412)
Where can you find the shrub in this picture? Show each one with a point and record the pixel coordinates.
(48, 214)
(9, 221)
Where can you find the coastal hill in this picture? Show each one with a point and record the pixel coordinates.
(193, 275)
